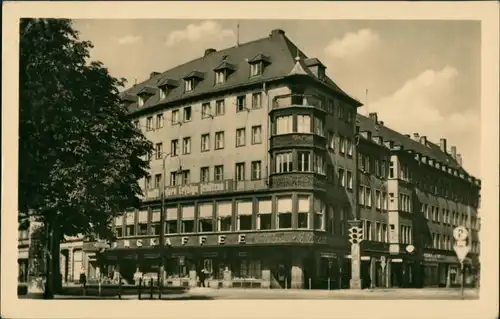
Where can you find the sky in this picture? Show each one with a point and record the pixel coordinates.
(421, 76)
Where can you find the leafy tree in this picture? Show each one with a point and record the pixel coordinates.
(80, 157)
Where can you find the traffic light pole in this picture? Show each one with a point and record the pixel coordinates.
(355, 229)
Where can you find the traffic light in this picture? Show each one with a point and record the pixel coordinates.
(355, 235)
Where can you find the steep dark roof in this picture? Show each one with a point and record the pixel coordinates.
(430, 150)
(275, 49)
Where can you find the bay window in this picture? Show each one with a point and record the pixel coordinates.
(319, 126)
(283, 162)
(187, 212)
(303, 211)
(304, 161)
(319, 214)
(319, 164)
(224, 216)
(284, 213)
(205, 217)
(304, 124)
(264, 214)
(284, 124)
(244, 213)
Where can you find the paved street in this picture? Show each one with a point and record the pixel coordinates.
(346, 294)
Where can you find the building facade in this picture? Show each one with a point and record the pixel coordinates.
(258, 150)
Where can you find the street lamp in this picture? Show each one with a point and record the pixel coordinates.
(162, 223)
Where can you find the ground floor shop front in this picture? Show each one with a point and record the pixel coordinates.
(282, 267)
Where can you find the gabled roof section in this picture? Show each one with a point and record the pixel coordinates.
(430, 150)
(195, 74)
(165, 81)
(260, 57)
(225, 66)
(300, 68)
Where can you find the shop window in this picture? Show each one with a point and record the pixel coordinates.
(248, 269)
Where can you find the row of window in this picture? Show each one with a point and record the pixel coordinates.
(219, 142)
(208, 110)
(448, 217)
(219, 217)
(184, 177)
(298, 123)
(284, 162)
(369, 165)
(380, 232)
(365, 198)
(429, 182)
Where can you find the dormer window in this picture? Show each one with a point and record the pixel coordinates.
(140, 101)
(166, 86)
(223, 71)
(256, 69)
(188, 85)
(258, 64)
(144, 94)
(220, 77)
(316, 67)
(191, 80)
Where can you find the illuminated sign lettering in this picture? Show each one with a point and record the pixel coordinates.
(184, 240)
(222, 239)
(169, 243)
(202, 239)
(153, 242)
(199, 188)
(126, 243)
(139, 242)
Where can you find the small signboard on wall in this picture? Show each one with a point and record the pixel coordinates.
(394, 249)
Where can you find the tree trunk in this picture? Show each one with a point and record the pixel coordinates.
(36, 259)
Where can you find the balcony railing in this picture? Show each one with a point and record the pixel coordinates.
(214, 187)
(289, 100)
(297, 139)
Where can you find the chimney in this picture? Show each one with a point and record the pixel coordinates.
(459, 159)
(416, 137)
(209, 51)
(423, 140)
(408, 135)
(153, 74)
(381, 123)
(276, 32)
(373, 117)
(442, 145)
(453, 150)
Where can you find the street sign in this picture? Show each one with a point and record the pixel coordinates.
(460, 233)
(461, 252)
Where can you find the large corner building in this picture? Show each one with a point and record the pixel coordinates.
(261, 150)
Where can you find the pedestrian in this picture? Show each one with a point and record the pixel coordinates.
(83, 280)
(202, 277)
